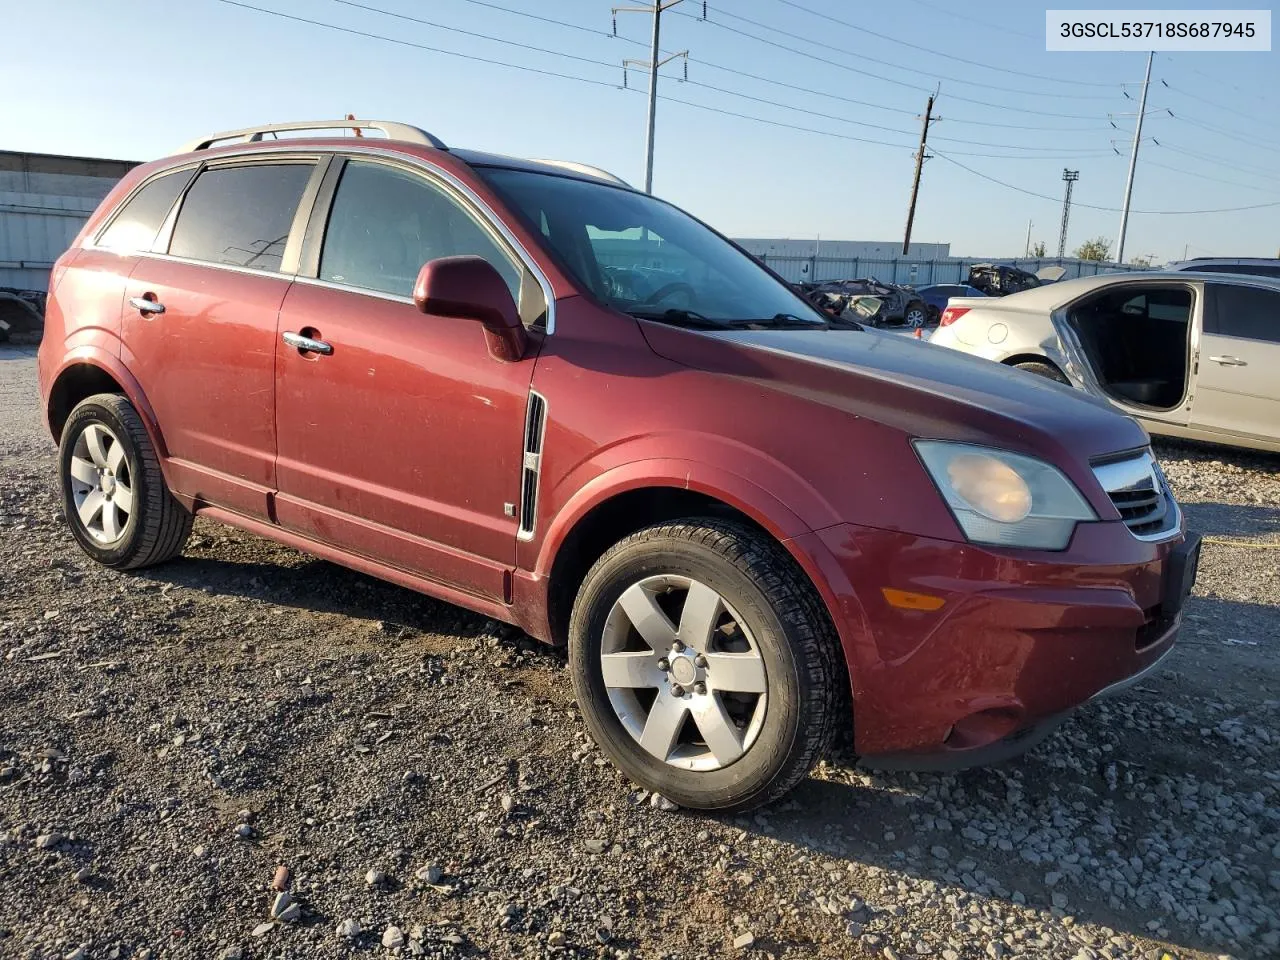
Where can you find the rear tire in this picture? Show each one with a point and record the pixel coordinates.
(769, 675)
(113, 493)
(1046, 370)
(916, 314)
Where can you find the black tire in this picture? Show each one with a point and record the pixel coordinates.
(158, 525)
(795, 638)
(1043, 369)
(916, 314)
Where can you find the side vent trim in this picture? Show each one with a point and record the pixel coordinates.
(535, 428)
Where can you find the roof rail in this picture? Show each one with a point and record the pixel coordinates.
(585, 168)
(392, 130)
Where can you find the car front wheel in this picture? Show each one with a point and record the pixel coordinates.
(705, 664)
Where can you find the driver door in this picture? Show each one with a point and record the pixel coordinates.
(404, 442)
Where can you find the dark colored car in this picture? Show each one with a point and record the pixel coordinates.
(936, 295)
(430, 365)
(999, 280)
(868, 300)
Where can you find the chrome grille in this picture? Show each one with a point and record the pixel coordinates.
(1138, 489)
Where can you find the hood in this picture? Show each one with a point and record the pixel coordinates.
(921, 389)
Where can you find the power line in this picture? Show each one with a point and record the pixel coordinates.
(722, 90)
(1091, 206)
(899, 83)
(1222, 132)
(1221, 82)
(970, 19)
(939, 53)
(1204, 176)
(744, 73)
(1217, 161)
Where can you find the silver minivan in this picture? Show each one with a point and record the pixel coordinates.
(1189, 354)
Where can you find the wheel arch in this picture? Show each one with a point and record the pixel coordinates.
(87, 371)
(1014, 359)
(615, 506)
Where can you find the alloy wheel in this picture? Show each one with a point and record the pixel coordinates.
(101, 483)
(683, 673)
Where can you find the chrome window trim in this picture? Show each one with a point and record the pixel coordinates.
(346, 288)
(485, 212)
(1129, 473)
(233, 268)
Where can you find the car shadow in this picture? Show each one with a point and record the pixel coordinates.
(983, 831)
(1211, 519)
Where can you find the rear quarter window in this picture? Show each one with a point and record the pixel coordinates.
(135, 225)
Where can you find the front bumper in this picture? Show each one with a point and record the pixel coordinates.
(1021, 638)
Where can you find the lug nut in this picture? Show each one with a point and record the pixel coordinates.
(700, 687)
(700, 660)
(678, 646)
(664, 665)
(677, 690)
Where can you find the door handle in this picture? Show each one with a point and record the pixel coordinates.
(145, 306)
(306, 344)
(1228, 361)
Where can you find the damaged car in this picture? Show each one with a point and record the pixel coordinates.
(868, 301)
(1186, 354)
(999, 279)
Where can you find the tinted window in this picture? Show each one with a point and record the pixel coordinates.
(1246, 312)
(240, 215)
(386, 223)
(1253, 269)
(136, 225)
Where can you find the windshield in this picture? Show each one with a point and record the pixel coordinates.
(646, 258)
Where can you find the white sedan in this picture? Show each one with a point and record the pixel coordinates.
(1188, 354)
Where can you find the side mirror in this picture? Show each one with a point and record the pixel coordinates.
(470, 287)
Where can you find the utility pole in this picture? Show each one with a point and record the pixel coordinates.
(1070, 176)
(1027, 251)
(1133, 161)
(652, 65)
(920, 159)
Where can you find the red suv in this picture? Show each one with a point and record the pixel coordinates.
(525, 388)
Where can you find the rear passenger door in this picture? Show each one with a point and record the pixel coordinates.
(402, 442)
(199, 326)
(1238, 391)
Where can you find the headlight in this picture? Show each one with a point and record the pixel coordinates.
(1005, 499)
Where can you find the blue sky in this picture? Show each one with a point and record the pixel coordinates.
(134, 79)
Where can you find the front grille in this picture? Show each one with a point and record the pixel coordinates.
(1138, 490)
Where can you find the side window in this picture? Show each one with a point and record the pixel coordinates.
(386, 223)
(240, 214)
(135, 226)
(1247, 312)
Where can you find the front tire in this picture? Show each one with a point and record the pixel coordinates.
(113, 493)
(705, 664)
(916, 314)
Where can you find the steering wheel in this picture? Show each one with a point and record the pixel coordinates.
(668, 289)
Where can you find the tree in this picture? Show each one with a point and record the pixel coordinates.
(1143, 261)
(1039, 250)
(1099, 248)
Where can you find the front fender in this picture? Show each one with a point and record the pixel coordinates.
(745, 495)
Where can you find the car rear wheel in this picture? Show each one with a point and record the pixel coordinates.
(113, 493)
(916, 314)
(704, 664)
(1046, 370)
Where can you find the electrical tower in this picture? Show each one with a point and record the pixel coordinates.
(1070, 177)
(921, 157)
(652, 65)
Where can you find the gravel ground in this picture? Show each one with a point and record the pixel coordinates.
(168, 739)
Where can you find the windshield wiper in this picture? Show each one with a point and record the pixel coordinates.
(779, 321)
(683, 318)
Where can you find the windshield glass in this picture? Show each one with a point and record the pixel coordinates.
(646, 258)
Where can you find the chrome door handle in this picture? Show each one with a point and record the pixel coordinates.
(145, 306)
(306, 343)
(1230, 361)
